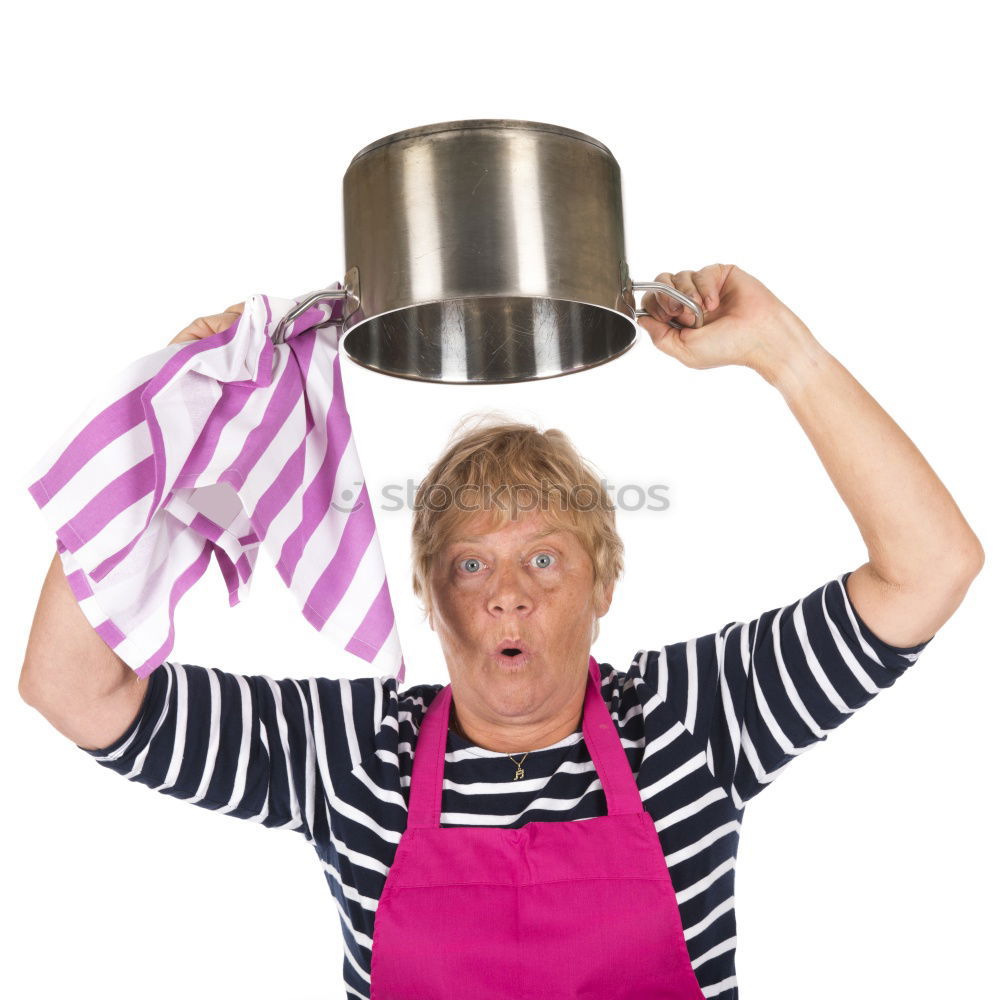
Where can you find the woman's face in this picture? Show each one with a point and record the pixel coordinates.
(522, 588)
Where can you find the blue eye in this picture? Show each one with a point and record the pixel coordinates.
(477, 564)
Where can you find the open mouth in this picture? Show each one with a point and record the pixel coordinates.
(511, 654)
(510, 646)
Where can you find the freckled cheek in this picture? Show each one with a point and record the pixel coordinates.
(459, 599)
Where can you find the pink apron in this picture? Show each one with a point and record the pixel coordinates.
(581, 909)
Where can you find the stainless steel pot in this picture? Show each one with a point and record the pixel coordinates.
(485, 251)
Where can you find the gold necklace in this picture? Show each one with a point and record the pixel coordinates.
(519, 773)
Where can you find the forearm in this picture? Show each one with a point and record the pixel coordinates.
(910, 523)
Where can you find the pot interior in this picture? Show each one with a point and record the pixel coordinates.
(489, 339)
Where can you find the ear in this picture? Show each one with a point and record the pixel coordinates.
(604, 602)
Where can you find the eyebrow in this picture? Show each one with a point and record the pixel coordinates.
(535, 537)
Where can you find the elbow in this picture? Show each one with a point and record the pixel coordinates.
(24, 683)
(973, 559)
(27, 684)
(962, 569)
(954, 567)
(36, 683)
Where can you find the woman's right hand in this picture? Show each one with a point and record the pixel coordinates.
(208, 326)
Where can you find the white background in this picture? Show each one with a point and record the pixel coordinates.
(163, 162)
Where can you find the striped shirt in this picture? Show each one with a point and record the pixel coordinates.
(706, 725)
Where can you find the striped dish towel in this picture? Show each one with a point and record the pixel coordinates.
(219, 446)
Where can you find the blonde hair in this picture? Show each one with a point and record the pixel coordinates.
(487, 471)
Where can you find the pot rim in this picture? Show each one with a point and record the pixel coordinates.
(478, 123)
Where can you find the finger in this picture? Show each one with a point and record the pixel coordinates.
(208, 326)
(238, 308)
(710, 281)
(205, 326)
(706, 281)
(667, 339)
(654, 307)
(684, 282)
(669, 306)
(656, 303)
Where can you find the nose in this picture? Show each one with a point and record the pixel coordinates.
(510, 592)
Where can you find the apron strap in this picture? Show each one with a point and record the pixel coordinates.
(599, 733)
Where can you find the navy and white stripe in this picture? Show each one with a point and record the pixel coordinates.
(706, 724)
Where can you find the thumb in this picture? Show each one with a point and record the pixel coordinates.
(667, 338)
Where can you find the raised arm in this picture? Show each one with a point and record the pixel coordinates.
(922, 554)
(70, 675)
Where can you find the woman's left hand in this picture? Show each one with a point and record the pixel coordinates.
(745, 323)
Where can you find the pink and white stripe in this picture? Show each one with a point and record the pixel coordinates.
(216, 447)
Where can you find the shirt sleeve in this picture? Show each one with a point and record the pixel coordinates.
(249, 746)
(758, 694)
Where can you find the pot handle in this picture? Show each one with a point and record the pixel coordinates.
(699, 316)
(328, 295)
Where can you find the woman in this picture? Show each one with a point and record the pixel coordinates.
(545, 824)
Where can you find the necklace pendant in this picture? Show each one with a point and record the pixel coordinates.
(519, 773)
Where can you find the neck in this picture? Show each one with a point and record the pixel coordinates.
(523, 740)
